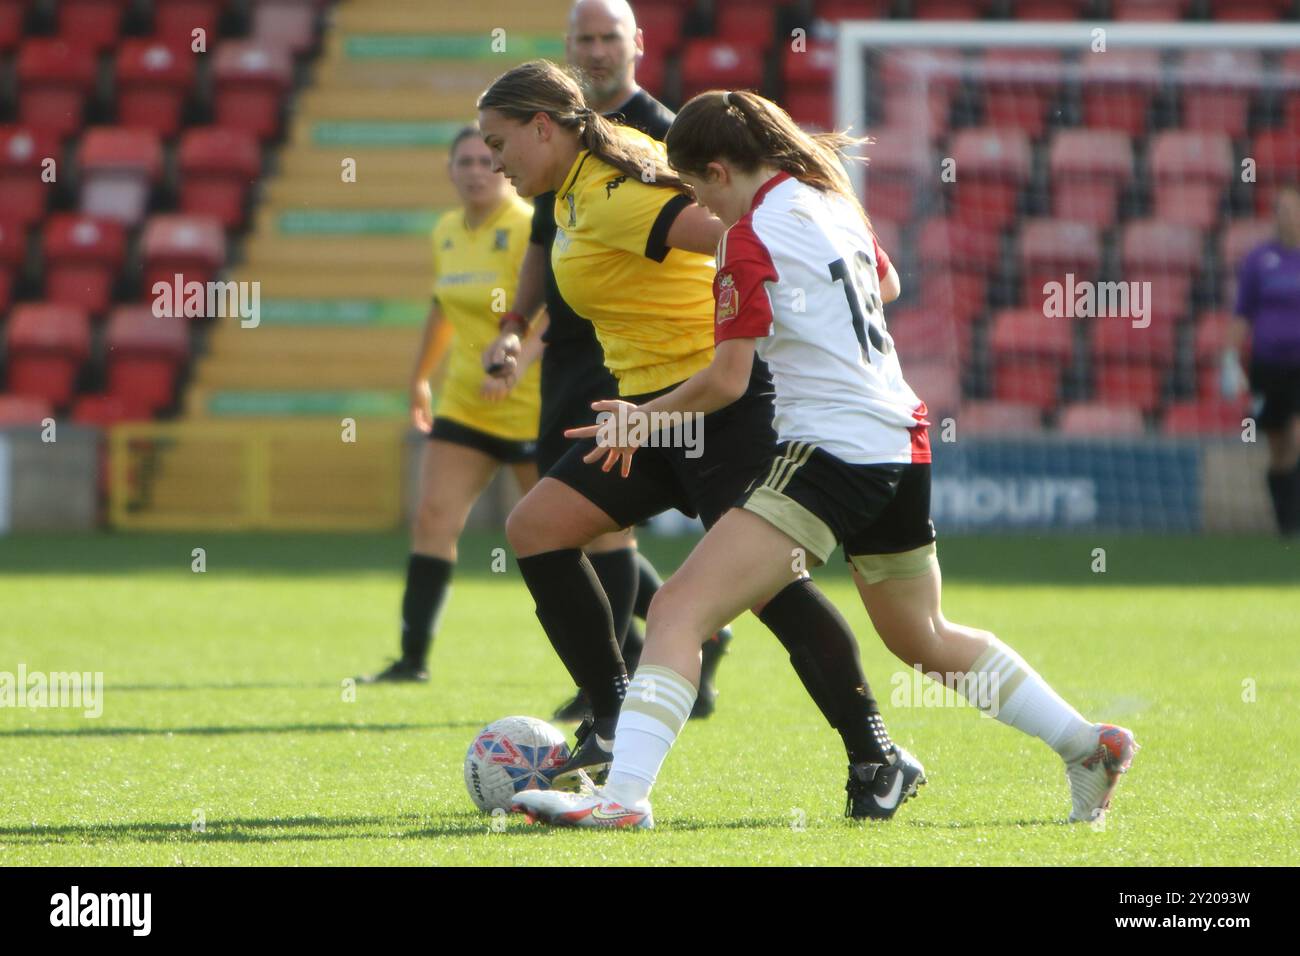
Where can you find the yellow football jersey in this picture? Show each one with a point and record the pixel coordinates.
(652, 306)
(475, 270)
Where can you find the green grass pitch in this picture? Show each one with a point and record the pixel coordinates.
(223, 703)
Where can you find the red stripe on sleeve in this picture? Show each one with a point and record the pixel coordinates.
(742, 309)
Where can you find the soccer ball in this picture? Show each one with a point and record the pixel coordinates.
(510, 755)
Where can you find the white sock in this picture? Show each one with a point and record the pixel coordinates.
(1026, 702)
(656, 707)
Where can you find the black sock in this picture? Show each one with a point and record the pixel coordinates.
(1281, 490)
(617, 572)
(824, 653)
(633, 645)
(648, 582)
(427, 579)
(574, 612)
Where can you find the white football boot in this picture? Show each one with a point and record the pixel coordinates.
(591, 809)
(1094, 776)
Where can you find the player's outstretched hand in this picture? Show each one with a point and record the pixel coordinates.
(615, 438)
(422, 405)
(501, 358)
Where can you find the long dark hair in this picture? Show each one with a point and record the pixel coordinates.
(750, 131)
(541, 86)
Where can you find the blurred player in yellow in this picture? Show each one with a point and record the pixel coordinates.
(482, 422)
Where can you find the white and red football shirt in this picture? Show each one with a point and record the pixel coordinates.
(801, 274)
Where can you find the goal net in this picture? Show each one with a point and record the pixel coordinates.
(1067, 205)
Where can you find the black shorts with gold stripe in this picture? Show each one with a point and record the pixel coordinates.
(821, 501)
(734, 444)
(508, 451)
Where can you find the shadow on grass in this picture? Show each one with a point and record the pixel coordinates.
(251, 685)
(983, 824)
(232, 730)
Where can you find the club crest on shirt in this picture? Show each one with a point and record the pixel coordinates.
(501, 239)
(446, 244)
(613, 184)
(728, 298)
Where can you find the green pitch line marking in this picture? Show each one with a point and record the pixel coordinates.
(332, 403)
(379, 133)
(386, 46)
(347, 222)
(392, 312)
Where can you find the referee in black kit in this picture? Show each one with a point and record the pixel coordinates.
(604, 43)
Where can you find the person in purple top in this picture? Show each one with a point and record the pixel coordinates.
(1268, 303)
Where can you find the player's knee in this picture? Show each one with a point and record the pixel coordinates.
(528, 529)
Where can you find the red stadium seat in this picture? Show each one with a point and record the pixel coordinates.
(992, 167)
(47, 345)
(96, 23)
(1096, 419)
(218, 167)
(1212, 417)
(1150, 11)
(896, 162)
(119, 168)
(153, 80)
(1217, 87)
(1029, 351)
(144, 356)
(1289, 75)
(1240, 236)
(1019, 85)
(1049, 250)
(192, 246)
(55, 75)
(23, 154)
(1049, 9)
(809, 78)
(251, 80)
(962, 295)
(746, 23)
(660, 22)
(1089, 168)
(11, 23)
(918, 88)
(175, 20)
(999, 418)
(938, 384)
(1190, 170)
(1129, 363)
(836, 10)
(1277, 160)
(1249, 11)
(950, 9)
(104, 411)
(1169, 255)
(13, 253)
(924, 335)
(290, 24)
(1117, 89)
(956, 259)
(16, 410)
(716, 64)
(83, 256)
